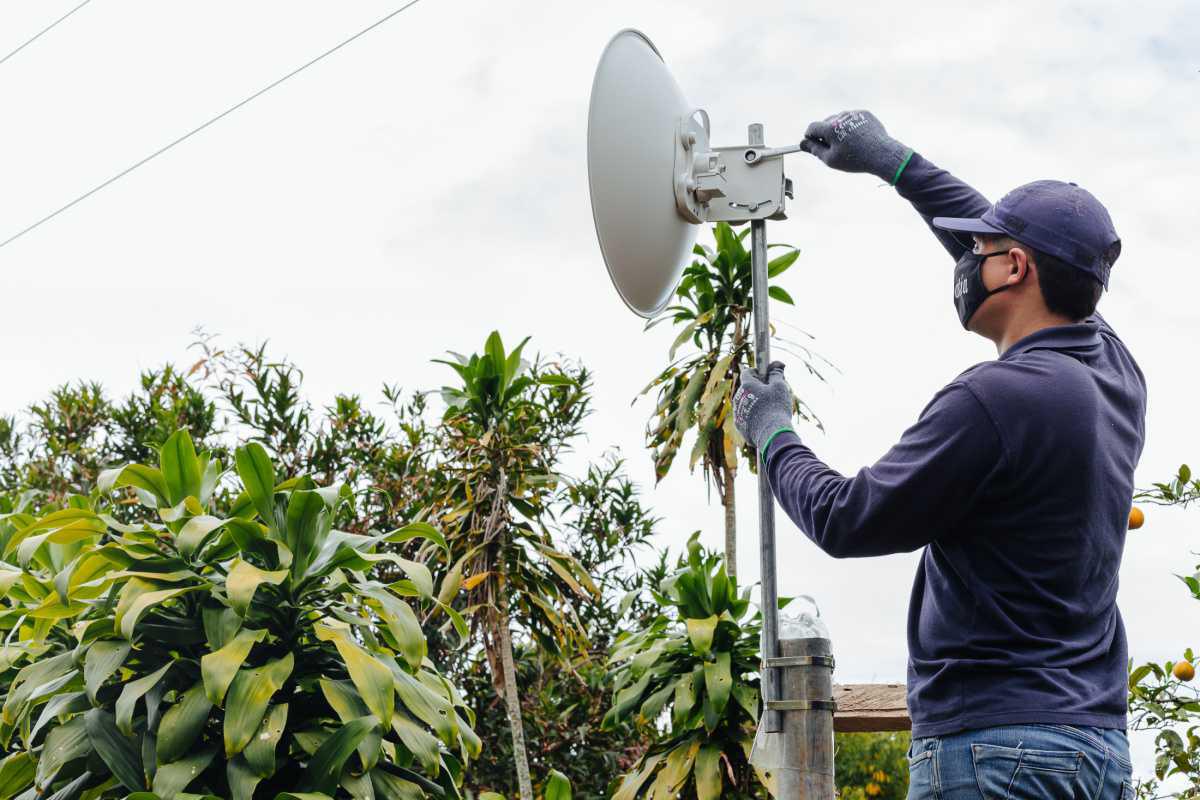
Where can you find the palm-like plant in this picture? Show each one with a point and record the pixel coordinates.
(696, 671)
(714, 307)
(248, 655)
(506, 426)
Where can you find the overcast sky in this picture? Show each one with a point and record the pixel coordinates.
(428, 184)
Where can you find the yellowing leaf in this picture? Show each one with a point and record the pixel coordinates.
(371, 677)
(474, 580)
(244, 579)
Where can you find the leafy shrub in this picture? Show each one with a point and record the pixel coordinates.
(249, 655)
(694, 669)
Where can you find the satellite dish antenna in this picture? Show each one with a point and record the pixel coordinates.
(633, 120)
(654, 178)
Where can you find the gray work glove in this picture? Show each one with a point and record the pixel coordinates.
(760, 410)
(855, 141)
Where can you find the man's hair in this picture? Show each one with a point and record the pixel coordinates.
(1065, 289)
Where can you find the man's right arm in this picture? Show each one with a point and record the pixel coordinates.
(934, 192)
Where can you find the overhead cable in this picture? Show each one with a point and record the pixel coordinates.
(44, 31)
(204, 125)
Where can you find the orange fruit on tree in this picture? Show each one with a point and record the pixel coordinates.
(1136, 518)
(1184, 671)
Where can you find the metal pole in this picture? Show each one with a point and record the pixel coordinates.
(772, 719)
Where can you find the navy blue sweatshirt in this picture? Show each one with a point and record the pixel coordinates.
(1017, 481)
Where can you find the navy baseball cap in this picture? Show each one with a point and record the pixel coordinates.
(1061, 219)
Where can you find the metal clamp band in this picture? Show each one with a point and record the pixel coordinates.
(800, 661)
(802, 705)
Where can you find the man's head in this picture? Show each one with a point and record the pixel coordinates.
(1044, 254)
(1038, 285)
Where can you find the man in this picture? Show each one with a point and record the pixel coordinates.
(1016, 479)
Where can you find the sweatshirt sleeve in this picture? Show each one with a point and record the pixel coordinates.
(920, 490)
(934, 192)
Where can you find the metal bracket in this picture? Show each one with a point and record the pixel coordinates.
(723, 184)
(801, 661)
(802, 705)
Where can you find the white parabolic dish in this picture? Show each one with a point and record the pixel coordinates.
(633, 122)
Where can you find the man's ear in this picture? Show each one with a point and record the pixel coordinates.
(1019, 266)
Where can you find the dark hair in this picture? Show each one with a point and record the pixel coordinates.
(1067, 290)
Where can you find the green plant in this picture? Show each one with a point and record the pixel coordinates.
(599, 521)
(1158, 701)
(506, 426)
(694, 671)
(713, 307)
(1182, 490)
(872, 766)
(246, 655)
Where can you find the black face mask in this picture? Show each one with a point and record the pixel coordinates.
(969, 291)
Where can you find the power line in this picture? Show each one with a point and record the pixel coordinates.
(44, 31)
(201, 127)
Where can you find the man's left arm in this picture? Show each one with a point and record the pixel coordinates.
(921, 489)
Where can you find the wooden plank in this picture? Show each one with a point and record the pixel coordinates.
(870, 707)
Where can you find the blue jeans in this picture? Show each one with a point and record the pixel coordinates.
(1022, 762)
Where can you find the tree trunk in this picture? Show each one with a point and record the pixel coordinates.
(513, 701)
(729, 500)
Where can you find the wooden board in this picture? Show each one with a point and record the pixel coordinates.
(863, 707)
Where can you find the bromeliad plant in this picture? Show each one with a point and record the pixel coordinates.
(694, 671)
(248, 655)
(714, 309)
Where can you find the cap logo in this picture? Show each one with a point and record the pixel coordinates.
(1016, 223)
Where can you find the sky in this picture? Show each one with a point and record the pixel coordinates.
(427, 185)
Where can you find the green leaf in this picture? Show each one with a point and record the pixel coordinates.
(401, 622)
(417, 530)
(372, 678)
(243, 581)
(180, 468)
(219, 669)
(1136, 676)
(60, 706)
(747, 697)
(116, 750)
(249, 695)
(173, 778)
(655, 702)
(700, 632)
(16, 774)
(633, 780)
(182, 723)
(325, 767)
(685, 696)
(63, 744)
(717, 684)
(688, 331)
(138, 597)
(148, 479)
(195, 532)
(103, 658)
(558, 786)
(388, 786)
(776, 266)
(258, 476)
(420, 742)
(779, 294)
(132, 692)
(242, 779)
(708, 772)
(344, 699)
(260, 753)
(307, 525)
(250, 538)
